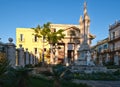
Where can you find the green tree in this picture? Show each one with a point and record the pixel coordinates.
(49, 35)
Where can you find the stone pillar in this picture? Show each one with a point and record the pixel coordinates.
(100, 60)
(27, 57)
(66, 57)
(31, 58)
(116, 60)
(11, 52)
(34, 59)
(76, 53)
(38, 58)
(21, 56)
(56, 56)
(94, 56)
(107, 58)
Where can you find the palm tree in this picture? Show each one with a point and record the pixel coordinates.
(59, 72)
(47, 34)
(14, 77)
(18, 77)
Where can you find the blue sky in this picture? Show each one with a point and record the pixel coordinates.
(29, 13)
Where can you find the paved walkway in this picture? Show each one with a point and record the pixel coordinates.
(99, 83)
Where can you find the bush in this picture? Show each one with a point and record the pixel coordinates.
(117, 72)
(110, 63)
(98, 76)
(46, 73)
(29, 66)
(113, 67)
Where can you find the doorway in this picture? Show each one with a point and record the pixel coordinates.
(70, 56)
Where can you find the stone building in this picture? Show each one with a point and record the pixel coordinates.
(100, 51)
(114, 42)
(108, 50)
(69, 46)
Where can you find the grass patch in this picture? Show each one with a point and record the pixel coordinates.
(41, 82)
(98, 76)
(38, 82)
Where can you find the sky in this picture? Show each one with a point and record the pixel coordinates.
(29, 13)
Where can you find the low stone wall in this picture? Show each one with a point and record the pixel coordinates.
(88, 69)
(41, 69)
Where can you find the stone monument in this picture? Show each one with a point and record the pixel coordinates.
(84, 50)
(84, 62)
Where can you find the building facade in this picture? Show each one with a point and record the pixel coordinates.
(69, 46)
(35, 45)
(108, 49)
(100, 52)
(114, 42)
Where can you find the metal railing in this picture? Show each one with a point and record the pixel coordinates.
(115, 37)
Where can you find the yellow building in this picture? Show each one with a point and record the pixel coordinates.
(25, 37)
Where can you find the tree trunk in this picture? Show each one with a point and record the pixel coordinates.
(51, 54)
(57, 83)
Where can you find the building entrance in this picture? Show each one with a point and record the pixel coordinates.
(70, 56)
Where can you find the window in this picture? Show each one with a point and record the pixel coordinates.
(35, 38)
(105, 46)
(99, 49)
(113, 46)
(54, 30)
(35, 50)
(79, 33)
(113, 35)
(44, 49)
(21, 37)
(71, 33)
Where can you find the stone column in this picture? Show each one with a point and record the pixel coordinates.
(38, 57)
(94, 56)
(66, 57)
(116, 60)
(56, 56)
(31, 58)
(11, 52)
(21, 56)
(107, 58)
(76, 53)
(100, 60)
(27, 57)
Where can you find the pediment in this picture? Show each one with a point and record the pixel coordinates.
(72, 31)
(72, 28)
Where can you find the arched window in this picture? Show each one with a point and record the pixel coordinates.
(71, 33)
